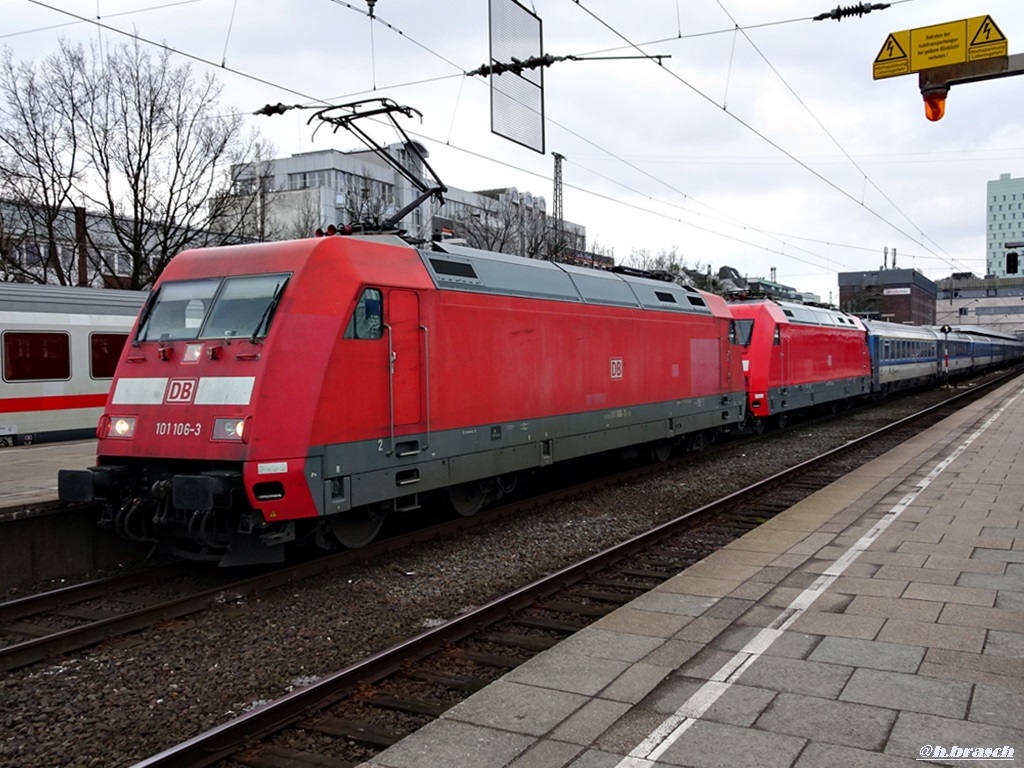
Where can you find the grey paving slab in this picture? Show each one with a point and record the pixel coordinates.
(793, 645)
(999, 555)
(834, 722)
(913, 732)
(948, 594)
(874, 654)
(997, 706)
(837, 756)
(595, 758)
(629, 731)
(1010, 601)
(509, 706)
(622, 646)
(588, 722)
(1005, 581)
(911, 693)
(547, 754)
(933, 635)
(715, 745)
(728, 608)
(740, 705)
(574, 672)
(635, 683)
(453, 745)
(667, 602)
(1008, 644)
(796, 676)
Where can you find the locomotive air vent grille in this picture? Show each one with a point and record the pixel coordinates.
(696, 301)
(666, 297)
(454, 269)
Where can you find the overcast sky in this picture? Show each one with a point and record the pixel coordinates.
(762, 142)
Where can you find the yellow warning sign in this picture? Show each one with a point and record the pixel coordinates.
(952, 43)
(893, 59)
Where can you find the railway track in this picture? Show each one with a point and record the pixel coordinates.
(349, 716)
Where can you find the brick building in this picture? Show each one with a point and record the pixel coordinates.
(893, 295)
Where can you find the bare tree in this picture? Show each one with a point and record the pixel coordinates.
(495, 225)
(160, 147)
(40, 163)
(305, 216)
(368, 201)
(146, 146)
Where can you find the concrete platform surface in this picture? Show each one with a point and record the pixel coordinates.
(28, 474)
(877, 623)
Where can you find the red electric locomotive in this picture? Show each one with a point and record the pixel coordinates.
(796, 356)
(306, 389)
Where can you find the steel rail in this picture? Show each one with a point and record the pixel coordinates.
(73, 594)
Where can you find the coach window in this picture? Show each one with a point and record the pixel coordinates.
(105, 350)
(367, 322)
(36, 356)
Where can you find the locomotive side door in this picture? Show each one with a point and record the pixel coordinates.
(406, 356)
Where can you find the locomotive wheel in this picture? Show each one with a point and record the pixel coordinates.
(661, 451)
(782, 420)
(466, 499)
(358, 527)
(757, 425)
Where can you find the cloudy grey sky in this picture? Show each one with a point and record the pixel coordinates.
(762, 142)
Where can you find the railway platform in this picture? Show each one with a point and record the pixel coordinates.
(44, 539)
(879, 622)
(28, 474)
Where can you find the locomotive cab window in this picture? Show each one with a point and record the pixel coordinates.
(177, 310)
(367, 322)
(244, 307)
(744, 332)
(217, 308)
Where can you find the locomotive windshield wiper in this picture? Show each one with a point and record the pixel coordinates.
(268, 313)
(147, 310)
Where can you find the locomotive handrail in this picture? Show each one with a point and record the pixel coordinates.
(426, 369)
(391, 384)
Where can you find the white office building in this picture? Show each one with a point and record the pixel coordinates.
(1005, 229)
(315, 189)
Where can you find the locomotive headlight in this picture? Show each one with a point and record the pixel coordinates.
(121, 426)
(230, 429)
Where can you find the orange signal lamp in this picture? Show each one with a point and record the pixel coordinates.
(935, 103)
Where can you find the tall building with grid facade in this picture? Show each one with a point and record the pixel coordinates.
(1005, 228)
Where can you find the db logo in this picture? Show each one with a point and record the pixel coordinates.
(181, 390)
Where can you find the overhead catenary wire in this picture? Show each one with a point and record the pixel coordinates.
(668, 70)
(314, 100)
(446, 143)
